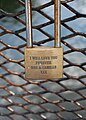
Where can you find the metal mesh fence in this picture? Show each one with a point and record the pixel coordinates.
(62, 99)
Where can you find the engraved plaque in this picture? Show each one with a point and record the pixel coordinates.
(43, 63)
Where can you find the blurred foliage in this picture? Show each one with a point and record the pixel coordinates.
(9, 5)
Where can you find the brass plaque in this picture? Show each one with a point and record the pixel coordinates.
(43, 63)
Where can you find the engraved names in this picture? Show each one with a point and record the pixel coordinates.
(43, 63)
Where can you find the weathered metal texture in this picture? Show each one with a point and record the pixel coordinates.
(45, 99)
(43, 63)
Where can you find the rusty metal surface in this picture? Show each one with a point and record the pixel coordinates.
(44, 99)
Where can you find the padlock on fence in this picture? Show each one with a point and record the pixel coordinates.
(43, 62)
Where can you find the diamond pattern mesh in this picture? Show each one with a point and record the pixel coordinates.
(63, 99)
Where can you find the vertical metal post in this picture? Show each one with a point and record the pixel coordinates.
(29, 38)
(57, 15)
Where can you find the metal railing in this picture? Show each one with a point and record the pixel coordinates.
(62, 99)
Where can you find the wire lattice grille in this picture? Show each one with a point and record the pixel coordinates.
(62, 99)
